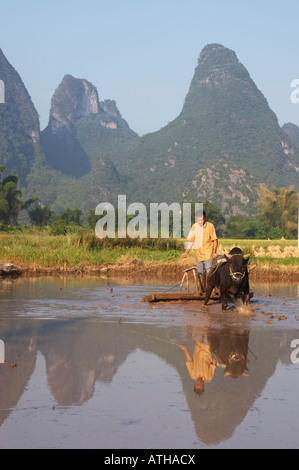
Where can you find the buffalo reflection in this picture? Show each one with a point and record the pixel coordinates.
(230, 349)
(226, 348)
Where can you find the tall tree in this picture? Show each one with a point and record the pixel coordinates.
(10, 199)
(40, 215)
(10, 202)
(71, 216)
(279, 208)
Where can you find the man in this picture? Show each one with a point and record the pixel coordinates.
(201, 366)
(204, 240)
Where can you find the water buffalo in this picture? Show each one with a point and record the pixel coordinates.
(229, 273)
(230, 349)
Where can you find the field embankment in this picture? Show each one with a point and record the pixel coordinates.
(83, 253)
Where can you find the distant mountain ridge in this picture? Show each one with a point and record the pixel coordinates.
(292, 131)
(223, 144)
(19, 122)
(63, 143)
(225, 118)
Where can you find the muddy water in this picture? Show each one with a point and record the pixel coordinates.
(89, 365)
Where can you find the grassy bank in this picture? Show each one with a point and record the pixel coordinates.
(35, 250)
(82, 252)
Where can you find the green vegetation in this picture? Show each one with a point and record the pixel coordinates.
(35, 249)
(279, 209)
(41, 249)
(59, 242)
(278, 216)
(224, 143)
(225, 118)
(10, 202)
(276, 253)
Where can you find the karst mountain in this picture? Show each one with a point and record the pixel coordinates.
(224, 143)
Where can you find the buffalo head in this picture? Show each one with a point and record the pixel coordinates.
(237, 262)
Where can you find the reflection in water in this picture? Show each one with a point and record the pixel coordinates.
(230, 348)
(227, 348)
(201, 366)
(85, 344)
(233, 388)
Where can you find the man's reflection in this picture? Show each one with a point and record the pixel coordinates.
(224, 348)
(201, 366)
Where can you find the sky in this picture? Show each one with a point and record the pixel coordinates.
(143, 54)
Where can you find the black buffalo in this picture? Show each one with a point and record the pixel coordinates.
(230, 349)
(230, 274)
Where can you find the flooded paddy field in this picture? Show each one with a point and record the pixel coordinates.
(86, 364)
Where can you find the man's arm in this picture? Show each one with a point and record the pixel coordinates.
(215, 245)
(185, 254)
(187, 354)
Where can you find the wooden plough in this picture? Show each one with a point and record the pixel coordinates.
(197, 294)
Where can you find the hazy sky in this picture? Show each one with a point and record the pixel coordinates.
(143, 54)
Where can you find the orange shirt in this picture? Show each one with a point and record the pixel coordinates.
(201, 365)
(202, 238)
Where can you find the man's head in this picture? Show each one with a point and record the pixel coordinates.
(199, 387)
(200, 217)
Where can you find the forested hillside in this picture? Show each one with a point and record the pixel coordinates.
(225, 143)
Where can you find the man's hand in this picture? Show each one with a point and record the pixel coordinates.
(184, 255)
(187, 354)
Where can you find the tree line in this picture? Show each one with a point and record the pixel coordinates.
(277, 214)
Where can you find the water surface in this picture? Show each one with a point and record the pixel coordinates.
(89, 365)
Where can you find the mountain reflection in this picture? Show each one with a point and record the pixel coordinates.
(234, 362)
